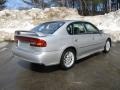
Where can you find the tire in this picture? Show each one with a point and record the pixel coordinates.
(68, 59)
(107, 46)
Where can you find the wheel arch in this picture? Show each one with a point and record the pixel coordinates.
(73, 48)
(62, 61)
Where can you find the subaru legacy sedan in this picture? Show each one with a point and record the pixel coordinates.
(60, 42)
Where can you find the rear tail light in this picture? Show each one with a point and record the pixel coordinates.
(33, 41)
(38, 43)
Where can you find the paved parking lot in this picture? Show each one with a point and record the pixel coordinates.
(97, 72)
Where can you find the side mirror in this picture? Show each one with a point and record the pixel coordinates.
(101, 31)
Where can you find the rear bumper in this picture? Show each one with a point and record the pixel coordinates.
(45, 58)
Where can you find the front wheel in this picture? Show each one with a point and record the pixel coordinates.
(67, 59)
(107, 46)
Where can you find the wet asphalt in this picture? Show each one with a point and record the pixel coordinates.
(96, 72)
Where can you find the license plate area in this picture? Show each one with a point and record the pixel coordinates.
(24, 44)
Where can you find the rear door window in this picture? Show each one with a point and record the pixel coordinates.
(76, 28)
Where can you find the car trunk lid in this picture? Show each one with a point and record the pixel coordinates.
(30, 41)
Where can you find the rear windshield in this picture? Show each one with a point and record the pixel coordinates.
(48, 27)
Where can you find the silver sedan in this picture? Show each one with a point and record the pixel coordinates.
(60, 42)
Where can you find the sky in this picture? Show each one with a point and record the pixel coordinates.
(16, 4)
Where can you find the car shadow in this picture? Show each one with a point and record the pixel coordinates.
(88, 57)
(44, 69)
(38, 67)
(47, 69)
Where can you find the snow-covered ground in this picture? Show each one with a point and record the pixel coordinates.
(12, 20)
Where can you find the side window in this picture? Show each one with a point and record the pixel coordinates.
(76, 29)
(90, 28)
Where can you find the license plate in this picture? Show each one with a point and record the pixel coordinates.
(23, 44)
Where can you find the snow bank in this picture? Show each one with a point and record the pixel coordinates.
(12, 20)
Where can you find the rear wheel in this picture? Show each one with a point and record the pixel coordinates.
(107, 46)
(68, 59)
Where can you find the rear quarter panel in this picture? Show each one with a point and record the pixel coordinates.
(59, 43)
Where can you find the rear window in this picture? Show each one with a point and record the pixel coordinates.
(48, 27)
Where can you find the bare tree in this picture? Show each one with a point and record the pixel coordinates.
(38, 3)
(85, 7)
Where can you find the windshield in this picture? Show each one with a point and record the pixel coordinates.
(48, 27)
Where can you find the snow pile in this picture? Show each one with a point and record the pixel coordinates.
(12, 20)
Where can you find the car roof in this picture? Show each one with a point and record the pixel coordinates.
(69, 21)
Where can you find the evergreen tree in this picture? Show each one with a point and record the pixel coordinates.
(2, 4)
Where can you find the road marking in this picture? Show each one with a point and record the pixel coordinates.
(3, 49)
